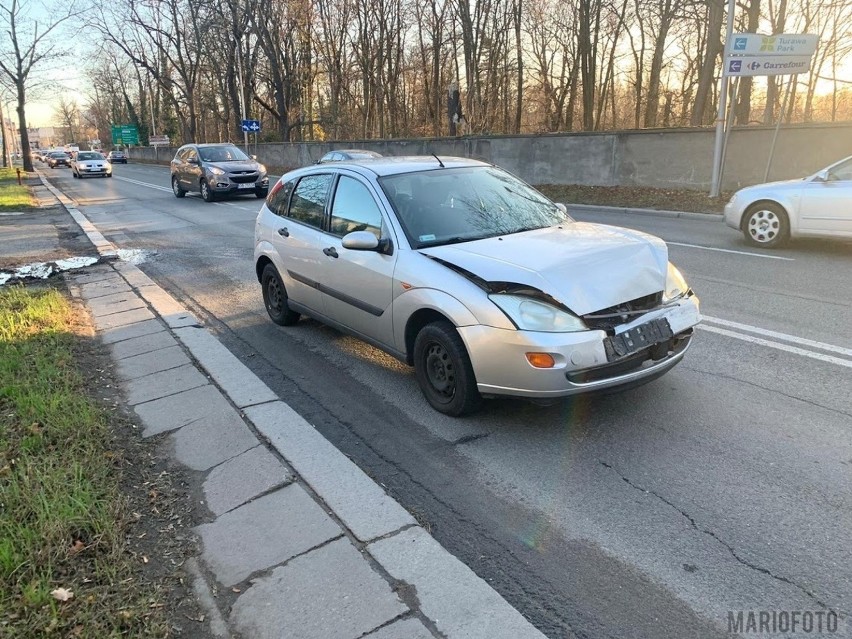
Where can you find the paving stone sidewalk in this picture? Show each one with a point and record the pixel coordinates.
(298, 542)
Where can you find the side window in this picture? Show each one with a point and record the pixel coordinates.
(308, 202)
(354, 209)
(190, 153)
(279, 198)
(842, 171)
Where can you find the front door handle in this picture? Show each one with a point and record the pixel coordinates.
(283, 232)
(330, 251)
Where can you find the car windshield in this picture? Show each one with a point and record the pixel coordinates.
(221, 154)
(89, 156)
(58, 154)
(448, 206)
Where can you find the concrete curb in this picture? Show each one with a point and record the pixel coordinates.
(685, 215)
(369, 517)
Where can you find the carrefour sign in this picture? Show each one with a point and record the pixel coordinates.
(767, 65)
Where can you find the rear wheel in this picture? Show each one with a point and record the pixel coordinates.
(206, 192)
(443, 370)
(179, 192)
(766, 224)
(275, 298)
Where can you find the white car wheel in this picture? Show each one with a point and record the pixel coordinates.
(766, 225)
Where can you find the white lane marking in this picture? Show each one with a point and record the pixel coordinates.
(721, 250)
(785, 337)
(777, 345)
(140, 183)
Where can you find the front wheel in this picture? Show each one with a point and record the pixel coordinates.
(261, 193)
(179, 192)
(74, 174)
(443, 370)
(206, 192)
(275, 298)
(766, 225)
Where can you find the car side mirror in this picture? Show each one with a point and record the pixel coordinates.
(192, 160)
(360, 241)
(822, 176)
(562, 208)
(253, 157)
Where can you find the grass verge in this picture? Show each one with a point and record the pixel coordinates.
(63, 517)
(12, 196)
(636, 197)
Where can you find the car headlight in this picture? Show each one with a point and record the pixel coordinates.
(529, 314)
(676, 286)
(261, 168)
(215, 170)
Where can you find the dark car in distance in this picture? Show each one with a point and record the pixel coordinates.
(58, 158)
(117, 157)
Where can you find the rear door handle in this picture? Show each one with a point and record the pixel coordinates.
(330, 251)
(283, 232)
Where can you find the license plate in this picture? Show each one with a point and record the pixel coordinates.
(245, 186)
(637, 338)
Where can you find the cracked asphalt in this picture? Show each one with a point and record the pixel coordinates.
(726, 485)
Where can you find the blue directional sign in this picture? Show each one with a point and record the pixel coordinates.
(252, 126)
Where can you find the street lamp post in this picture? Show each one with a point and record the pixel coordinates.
(242, 90)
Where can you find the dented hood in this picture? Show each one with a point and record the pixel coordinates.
(586, 267)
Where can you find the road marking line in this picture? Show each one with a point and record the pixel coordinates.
(778, 345)
(721, 250)
(780, 336)
(150, 186)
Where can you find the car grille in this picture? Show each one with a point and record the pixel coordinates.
(641, 359)
(244, 177)
(608, 318)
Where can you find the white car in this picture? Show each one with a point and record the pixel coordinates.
(90, 163)
(816, 206)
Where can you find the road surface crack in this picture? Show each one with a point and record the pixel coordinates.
(733, 553)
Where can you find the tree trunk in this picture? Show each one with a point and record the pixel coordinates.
(707, 75)
(22, 124)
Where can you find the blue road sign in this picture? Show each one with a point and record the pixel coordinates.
(252, 126)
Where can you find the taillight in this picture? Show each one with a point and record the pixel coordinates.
(275, 190)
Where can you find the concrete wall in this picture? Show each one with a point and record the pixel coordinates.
(664, 158)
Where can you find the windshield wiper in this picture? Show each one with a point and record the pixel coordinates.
(451, 240)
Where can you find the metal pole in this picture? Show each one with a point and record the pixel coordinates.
(715, 182)
(728, 127)
(242, 93)
(778, 126)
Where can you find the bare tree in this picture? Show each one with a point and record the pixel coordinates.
(30, 45)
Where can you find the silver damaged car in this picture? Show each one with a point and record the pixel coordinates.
(475, 279)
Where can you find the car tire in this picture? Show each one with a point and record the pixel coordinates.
(443, 370)
(109, 175)
(766, 225)
(261, 193)
(74, 174)
(179, 192)
(275, 298)
(206, 192)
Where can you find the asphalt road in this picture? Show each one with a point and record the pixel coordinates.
(724, 486)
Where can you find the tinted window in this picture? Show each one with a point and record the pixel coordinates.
(354, 209)
(308, 202)
(221, 154)
(89, 156)
(279, 198)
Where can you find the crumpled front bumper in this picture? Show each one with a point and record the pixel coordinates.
(581, 365)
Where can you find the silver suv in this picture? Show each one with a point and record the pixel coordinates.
(215, 170)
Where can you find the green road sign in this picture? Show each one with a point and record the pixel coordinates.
(126, 134)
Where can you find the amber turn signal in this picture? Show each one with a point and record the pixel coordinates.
(541, 360)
